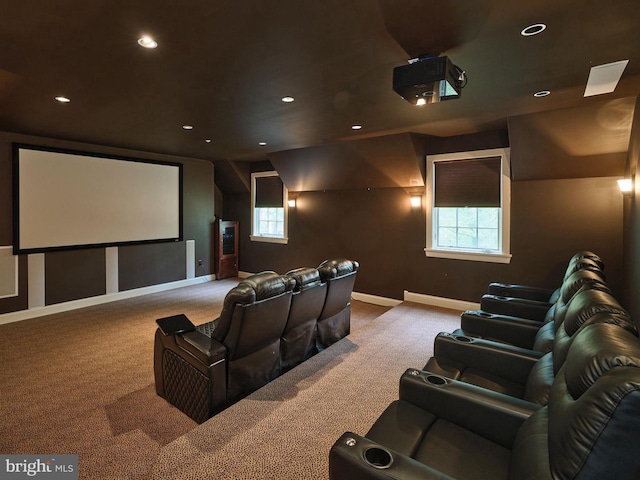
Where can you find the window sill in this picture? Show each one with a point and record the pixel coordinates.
(281, 240)
(473, 256)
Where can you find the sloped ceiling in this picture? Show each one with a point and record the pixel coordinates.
(378, 162)
(589, 141)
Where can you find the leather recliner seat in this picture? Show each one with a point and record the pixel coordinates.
(443, 429)
(527, 333)
(542, 311)
(521, 373)
(584, 260)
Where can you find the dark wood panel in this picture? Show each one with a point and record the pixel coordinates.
(74, 274)
(145, 265)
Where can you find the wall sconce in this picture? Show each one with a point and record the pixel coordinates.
(293, 199)
(416, 201)
(626, 186)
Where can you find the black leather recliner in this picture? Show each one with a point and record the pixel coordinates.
(584, 260)
(334, 321)
(203, 369)
(440, 428)
(524, 332)
(540, 311)
(526, 374)
(299, 337)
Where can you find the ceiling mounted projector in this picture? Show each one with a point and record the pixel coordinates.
(428, 80)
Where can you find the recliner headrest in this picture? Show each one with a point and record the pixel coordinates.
(305, 277)
(579, 280)
(584, 264)
(588, 255)
(597, 349)
(337, 267)
(262, 285)
(585, 304)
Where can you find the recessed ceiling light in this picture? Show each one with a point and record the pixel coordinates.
(208, 140)
(356, 127)
(187, 127)
(288, 99)
(63, 99)
(262, 144)
(147, 42)
(534, 29)
(542, 93)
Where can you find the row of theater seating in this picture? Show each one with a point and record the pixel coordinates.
(535, 385)
(269, 324)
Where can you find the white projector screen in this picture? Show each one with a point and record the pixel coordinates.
(66, 199)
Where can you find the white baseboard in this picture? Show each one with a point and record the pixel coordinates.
(375, 300)
(91, 301)
(440, 301)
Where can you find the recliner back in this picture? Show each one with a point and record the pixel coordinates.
(586, 308)
(589, 428)
(576, 282)
(299, 336)
(594, 407)
(334, 320)
(250, 326)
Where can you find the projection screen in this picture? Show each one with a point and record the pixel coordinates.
(66, 199)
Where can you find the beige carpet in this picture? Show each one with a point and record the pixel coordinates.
(82, 382)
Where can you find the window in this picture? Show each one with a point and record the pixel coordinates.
(268, 213)
(468, 205)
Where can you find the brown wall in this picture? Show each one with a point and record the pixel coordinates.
(76, 274)
(551, 220)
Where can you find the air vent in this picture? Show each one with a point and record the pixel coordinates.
(604, 78)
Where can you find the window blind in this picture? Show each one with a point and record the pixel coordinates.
(269, 192)
(467, 183)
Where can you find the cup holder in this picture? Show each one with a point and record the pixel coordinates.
(378, 457)
(435, 380)
(462, 338)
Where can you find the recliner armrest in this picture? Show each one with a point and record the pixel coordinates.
(203, 348)
(520, 291)
(507, 361)
(513, 330)
(492, 415)
(355, 457)
(515, 307)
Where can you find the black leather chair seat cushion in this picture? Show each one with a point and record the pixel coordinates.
(442, 445)
(535, 387)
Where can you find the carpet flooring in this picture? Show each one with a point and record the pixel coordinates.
(82, 382)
